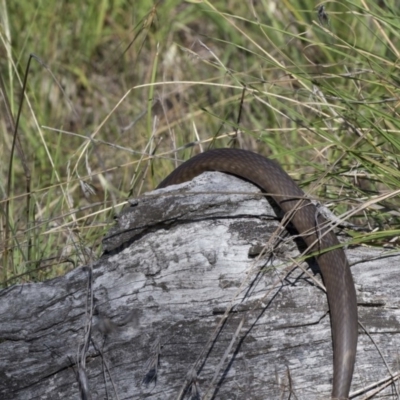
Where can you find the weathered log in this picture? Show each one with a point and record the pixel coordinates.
(186, 301)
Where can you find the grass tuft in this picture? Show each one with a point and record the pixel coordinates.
(118, 94)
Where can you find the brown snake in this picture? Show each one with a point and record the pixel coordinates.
(273, 180)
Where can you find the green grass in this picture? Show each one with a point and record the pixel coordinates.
(114, 84)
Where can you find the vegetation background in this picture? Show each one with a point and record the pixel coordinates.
(118, 92)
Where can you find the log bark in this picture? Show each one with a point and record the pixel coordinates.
(197, 295)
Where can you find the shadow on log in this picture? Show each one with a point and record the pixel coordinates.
(188, 302)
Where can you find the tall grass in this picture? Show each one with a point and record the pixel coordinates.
(118, 93)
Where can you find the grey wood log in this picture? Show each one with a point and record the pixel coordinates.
(185, 303)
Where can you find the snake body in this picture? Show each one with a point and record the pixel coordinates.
(273, 180)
